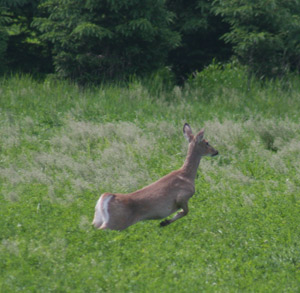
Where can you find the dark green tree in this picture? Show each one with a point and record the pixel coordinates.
(265, 34)
(23, 50)
(105, 39)
(3, 38)
(201, 31)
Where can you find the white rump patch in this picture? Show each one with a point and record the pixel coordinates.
(104, 208)
(101, 216)
(98, 218)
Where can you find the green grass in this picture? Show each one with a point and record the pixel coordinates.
(62, 146)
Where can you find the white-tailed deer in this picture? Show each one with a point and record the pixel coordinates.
(160, 199)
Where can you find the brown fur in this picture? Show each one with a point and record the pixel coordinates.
(163, 197)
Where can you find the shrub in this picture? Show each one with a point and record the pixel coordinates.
(219, 76)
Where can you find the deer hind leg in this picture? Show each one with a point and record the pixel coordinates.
(184, 212)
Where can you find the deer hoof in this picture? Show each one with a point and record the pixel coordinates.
(164, 223)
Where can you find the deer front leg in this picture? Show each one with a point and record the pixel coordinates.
(179, 215)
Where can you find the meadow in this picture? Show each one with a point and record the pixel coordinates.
(61, 146)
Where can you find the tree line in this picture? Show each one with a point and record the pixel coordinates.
(96, 40)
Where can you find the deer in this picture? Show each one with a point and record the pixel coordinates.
(118, 211)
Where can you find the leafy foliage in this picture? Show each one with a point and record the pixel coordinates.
(230, 75)
(96, 40)
(92, 41)
(24, 51)
(264, 34)
(201, 31)
(3, 38)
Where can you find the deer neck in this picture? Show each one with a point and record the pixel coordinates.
(191, 163)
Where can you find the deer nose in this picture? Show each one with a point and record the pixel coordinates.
(216, 153)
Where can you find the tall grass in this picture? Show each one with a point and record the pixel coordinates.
(62, 146)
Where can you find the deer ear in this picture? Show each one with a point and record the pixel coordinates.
(187, 132)
(199, 136)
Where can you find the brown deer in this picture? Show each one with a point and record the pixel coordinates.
(117, 211)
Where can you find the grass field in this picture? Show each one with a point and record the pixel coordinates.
(62, 146)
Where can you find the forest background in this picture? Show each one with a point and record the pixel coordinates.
(93, 41)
